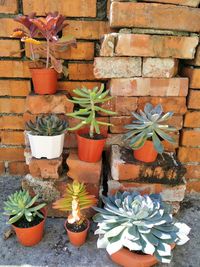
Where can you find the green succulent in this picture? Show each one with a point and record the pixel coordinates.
(49, 125)
(21, 204)
(139, 223)
(149, 125)
(89, 101)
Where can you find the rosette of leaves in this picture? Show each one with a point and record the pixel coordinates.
(139, 223)
(148, 125)
(75, 199)
(49, 125)
(21, 204)
(89, 102)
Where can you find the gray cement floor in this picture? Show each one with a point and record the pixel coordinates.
(55, 249)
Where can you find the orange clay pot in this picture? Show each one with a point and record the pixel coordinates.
(90, 150)
(147, 153)
(127, 258)
(44, 81)
(33, 235)
(77, 239)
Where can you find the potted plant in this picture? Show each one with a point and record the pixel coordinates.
(44, 78)
(75, 199)
(90, 139)
(27, 217)
(147, 132)
(138, 230)
(46, 136)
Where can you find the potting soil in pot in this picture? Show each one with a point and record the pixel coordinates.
(96, 136)
(23, 223)
(75, 227)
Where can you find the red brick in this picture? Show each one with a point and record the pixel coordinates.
(193, 172)
(14, 69)
(11, 138)
(81, 71)
(194, 99)
(6, 26)
(78, 8)
(37, 104)
(69, 86)
(160, 67)
(108, 45)
(192, 119)
(154, 16)
(188, 154)
(14, 88)
(18, 168)
(83, 171)
(196, 60)
(11, 154)
(9, 6)
(193, 187)
(45, 168)
(11, 122)
(12, 105)
(192, 3)
(2, 168)
(190, 138)
(70, 140)
(7, 47)
(149, 87)
(193, 75)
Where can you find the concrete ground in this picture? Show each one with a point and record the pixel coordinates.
(55, 249)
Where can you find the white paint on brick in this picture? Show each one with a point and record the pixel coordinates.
(115, 161)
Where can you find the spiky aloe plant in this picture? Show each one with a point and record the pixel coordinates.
(49, 125)
(89, 101)
(139, 223)
(21, 204)
(149, 125)
(75, 199)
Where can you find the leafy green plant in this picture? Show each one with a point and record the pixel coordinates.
(49, 125)
(89, 101)
(21, 204)
(75, 199)
(149, 126)
(139, 223)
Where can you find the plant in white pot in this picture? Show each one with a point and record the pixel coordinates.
(138, 230)
(46, 136)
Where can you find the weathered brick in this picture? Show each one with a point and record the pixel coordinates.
(78, 8)
(9, 6)
(11, 122)
(192, 3)
(193, 187)
(17, 168)
(154, 16)
(108, 45)
(194, 99)
(2, 168)
(12, 105)
(166, 169)
(8, 47)
(11, 154)
(117, 67)
(45, 168)
(69, 86)
(196, 60)
(190, 138)
(14, 88)
(189, 154)
(149, 87)
(192, 119)
(83, 171)
(81, 71)
(14, 69)
(6, 26)
(160, 67)
(193, 172)
(70, 140)
(58, 103)
(194, 76)
(11, 138)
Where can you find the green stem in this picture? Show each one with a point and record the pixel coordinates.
(93, 118)
(48, 51)
(32, 52)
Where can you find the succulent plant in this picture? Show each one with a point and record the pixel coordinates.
(89, 101)
(75, 199)
(149, 125)
(49, 125)
(21, 204)
(139, 223)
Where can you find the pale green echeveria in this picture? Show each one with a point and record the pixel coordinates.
(21, 204)
(148, 124)
(139, 223)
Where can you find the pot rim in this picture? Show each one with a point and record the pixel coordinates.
(43, 136)
(88, 225)
(85, 131)
(43, 69)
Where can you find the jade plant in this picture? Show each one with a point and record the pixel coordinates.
(148, 125)
(22, 205)
(89, 102)
(49, 125)
(139, 223)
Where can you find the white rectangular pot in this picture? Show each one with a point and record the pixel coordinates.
(49, 147)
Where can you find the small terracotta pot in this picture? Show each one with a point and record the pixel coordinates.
(147, 153)
(77, 239)
(127, 258)
(33, 235)
(90, 150)
(44, 81)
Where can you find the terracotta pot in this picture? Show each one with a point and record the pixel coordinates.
(89, 150)
(33, 235)
(147, 153)
(44, 81)
(127, 258)
(77, 239)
